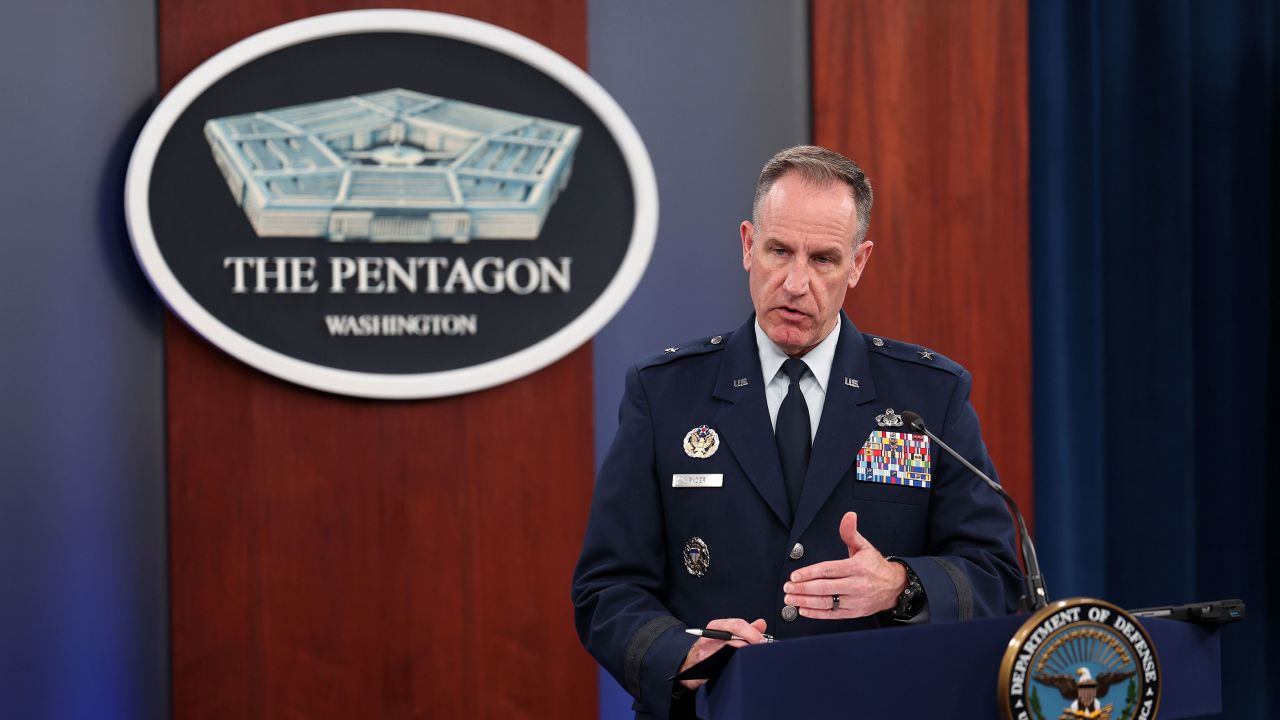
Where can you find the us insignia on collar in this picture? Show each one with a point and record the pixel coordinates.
(701, 442)
(889, 419)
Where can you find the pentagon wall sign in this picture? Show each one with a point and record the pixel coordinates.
(392, 203)
(1080, 658)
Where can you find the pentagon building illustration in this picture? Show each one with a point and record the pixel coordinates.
(393, 166)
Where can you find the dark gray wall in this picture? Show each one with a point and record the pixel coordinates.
(83, 602)
(715, 88)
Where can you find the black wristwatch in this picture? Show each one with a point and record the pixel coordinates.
(912, 599)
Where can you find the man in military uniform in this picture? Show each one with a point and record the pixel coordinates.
(763, 474)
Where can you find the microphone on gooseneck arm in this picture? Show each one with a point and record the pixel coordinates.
(1036, 597)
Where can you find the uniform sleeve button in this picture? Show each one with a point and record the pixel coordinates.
(790, 613)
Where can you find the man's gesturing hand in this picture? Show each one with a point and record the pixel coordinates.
(866, 582)
(752, 633)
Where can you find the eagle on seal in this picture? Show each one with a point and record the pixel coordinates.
(1084, 690)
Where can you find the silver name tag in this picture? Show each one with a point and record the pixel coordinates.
(697, 480)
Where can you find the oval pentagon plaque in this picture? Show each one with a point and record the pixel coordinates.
(392, 203)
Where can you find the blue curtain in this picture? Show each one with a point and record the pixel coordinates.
(1155, 128)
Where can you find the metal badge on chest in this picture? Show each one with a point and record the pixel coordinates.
(697, 558)
(701, 442)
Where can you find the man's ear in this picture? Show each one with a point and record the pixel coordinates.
(748, 232)
(860, 258)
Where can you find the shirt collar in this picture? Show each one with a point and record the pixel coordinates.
(819, 359)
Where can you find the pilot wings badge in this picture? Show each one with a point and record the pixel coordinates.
(701, 442)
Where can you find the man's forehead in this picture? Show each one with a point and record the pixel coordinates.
(793, 188)
(797, 202)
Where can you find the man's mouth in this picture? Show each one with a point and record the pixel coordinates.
(792, 314)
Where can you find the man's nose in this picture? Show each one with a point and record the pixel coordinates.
(797, 282)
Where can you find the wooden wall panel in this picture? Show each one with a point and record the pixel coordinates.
(930, 97)
(333, 557)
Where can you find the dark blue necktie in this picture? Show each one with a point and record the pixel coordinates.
(791, 432)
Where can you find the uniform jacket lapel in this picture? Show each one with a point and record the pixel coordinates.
(843, 427)
(743, 421)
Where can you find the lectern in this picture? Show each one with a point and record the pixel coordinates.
(939, 671)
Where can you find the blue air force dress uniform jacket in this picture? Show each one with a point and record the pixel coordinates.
(634, 595)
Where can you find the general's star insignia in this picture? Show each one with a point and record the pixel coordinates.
(671, 349)
(926, 354)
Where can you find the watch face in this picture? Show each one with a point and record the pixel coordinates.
(911, 601)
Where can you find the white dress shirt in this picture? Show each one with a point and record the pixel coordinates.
(813, 384)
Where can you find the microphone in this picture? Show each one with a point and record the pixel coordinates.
(1036, 597)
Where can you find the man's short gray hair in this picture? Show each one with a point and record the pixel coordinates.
(821, 167)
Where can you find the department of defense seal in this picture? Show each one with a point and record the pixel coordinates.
(1080, 658)
(701, 442)
(697, 558)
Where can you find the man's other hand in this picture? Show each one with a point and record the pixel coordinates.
(751, 634)
(866, 582)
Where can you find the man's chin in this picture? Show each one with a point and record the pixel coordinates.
(790, 339)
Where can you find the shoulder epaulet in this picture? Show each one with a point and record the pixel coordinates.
(908, 352)
(684, 350)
